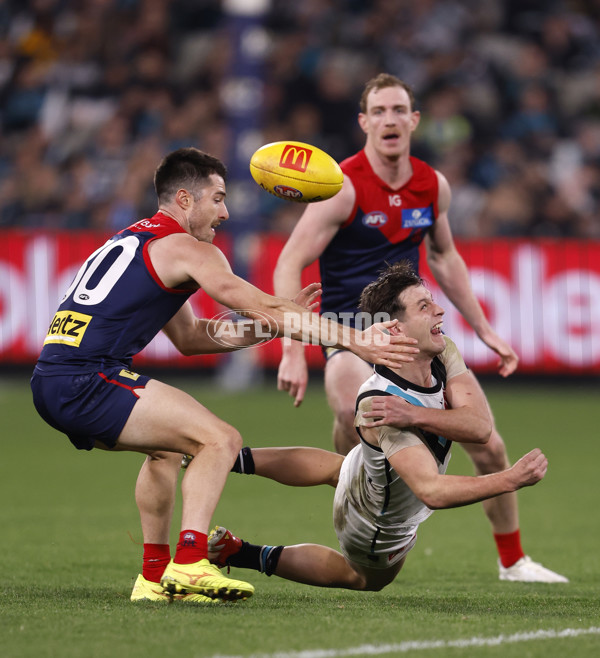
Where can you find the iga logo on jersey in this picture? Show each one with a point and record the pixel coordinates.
(417, 217)
(375, 219)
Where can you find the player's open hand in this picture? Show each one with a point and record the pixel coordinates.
(509, 360)
(377, 344)
(308, 297)
(530, 469)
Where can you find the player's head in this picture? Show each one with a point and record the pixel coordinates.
(186, 168)
(190, 185)
(400, 292)
(387, 116)
(383, 81)
(384, 294)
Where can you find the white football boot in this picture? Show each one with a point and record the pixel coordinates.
(526, 570)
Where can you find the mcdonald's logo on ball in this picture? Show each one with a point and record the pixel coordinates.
(295, 171)
(295, 157)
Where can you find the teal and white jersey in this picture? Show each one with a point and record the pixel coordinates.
(376, 514)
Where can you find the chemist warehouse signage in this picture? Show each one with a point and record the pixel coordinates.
(543, 296)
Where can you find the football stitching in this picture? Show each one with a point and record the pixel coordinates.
(303, 180)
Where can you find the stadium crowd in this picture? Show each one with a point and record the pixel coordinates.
(94, 93)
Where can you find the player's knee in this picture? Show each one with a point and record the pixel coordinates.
(233, 442)
(374, 584)
(353, 580)
(224, 439)
(345, 419)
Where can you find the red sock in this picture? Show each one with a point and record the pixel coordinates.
(192, 547)
(156, 558)
(509, 547)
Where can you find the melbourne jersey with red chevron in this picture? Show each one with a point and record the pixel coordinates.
(115, 305)
(386, 225)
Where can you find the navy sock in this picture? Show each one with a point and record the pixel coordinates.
(244, 462)
(259, 558)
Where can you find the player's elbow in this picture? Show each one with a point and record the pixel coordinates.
(288, 268)
(179, 342)
(431, 494)
(186, 350)
(475, 427)
(482, 430)
(191, 344)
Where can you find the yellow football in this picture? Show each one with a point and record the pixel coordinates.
(296, 172)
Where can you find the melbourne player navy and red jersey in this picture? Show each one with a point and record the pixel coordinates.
(115, 305)
(82, 384)
(385, 226)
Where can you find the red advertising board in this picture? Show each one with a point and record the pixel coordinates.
(542, 296)
(37, 268)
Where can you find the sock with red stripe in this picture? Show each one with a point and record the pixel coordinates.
(509, 547)
(156, 558)
(192, 547)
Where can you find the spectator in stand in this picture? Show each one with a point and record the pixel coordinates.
(75, 70)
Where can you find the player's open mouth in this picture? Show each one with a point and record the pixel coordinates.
(437, 329)
(390, 136)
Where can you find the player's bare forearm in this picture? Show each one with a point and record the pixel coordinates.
(437, 491)
(292, 373)
(215, 337)
(457, 490)
(287, 277)
(450, 272)
(464, 425)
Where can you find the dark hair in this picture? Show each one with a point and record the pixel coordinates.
(382, 81)
(382, 295)
(187, 168)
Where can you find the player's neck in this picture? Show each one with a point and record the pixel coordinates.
(416, 372)
(174, 213)
(396, 171)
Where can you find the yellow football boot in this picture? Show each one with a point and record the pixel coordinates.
(146, 590)
(203, 578)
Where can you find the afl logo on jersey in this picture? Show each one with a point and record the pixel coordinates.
(375, 219)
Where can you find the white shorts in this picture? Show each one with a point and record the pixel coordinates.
(361, 540)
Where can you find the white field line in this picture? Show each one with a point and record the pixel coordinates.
(404, 647)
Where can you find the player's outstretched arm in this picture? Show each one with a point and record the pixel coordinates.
(313, 232)
(205, 264)
(450, 272)
(192, 335)
(417, 467)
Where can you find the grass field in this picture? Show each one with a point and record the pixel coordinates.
(70, 547)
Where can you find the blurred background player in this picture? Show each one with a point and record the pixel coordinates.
(136, 284)
(389, 204)
(389, 483)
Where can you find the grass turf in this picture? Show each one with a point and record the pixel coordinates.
(70, 545)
